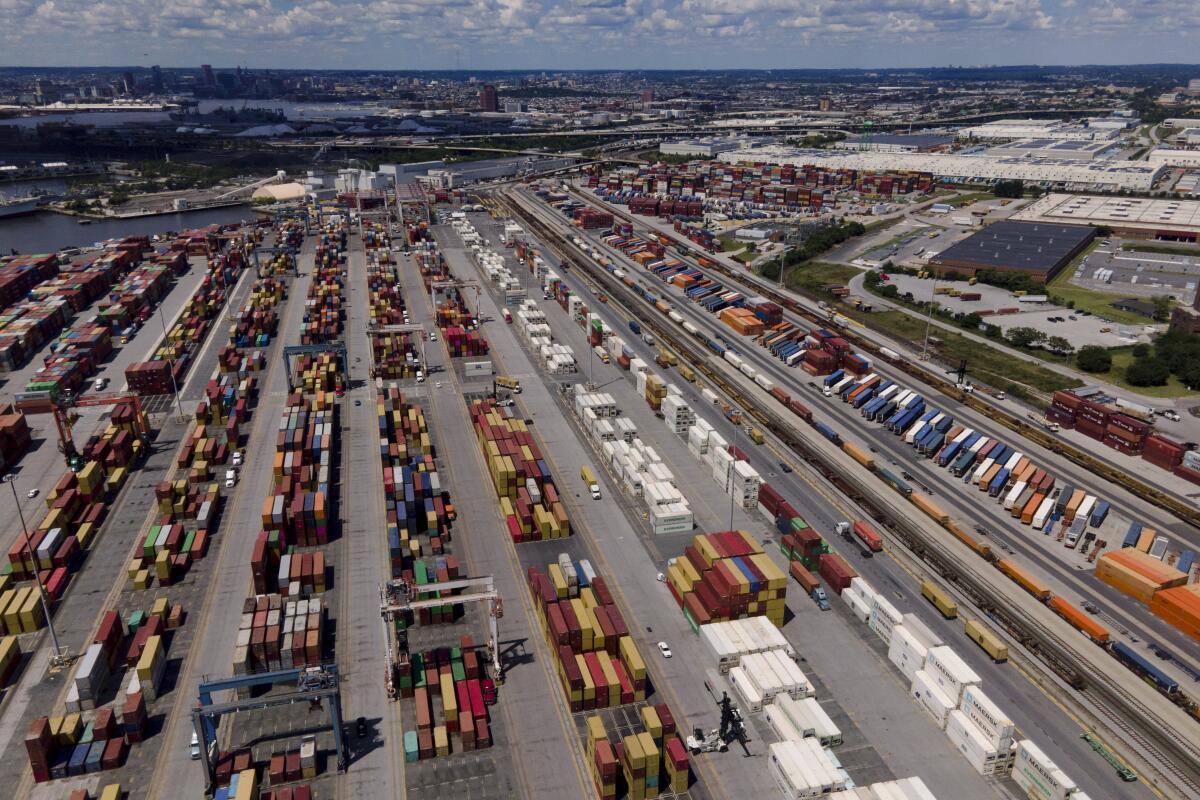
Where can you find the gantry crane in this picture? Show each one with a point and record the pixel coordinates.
(313, 685)
(398, 596)
(64, 421)
(383, 330)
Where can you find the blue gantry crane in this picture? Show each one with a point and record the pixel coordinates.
(315, 685)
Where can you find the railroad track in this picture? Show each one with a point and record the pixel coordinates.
(1048, 646)
(1186, 512)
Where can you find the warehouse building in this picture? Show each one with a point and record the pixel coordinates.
(898, 143)
(1165, 157)
(706, 147)
(1060, 149)
(1038, 249)
(1007, 130)
(1138, 217)
(1099, 173)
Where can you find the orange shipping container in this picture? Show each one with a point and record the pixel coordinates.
(1145, 540)
(1153, 569)
(991, 473)
(1031, 508)
(1081, 621)
(1125, 580)
(1073, 504)
(1023, 579)
(1180, 606)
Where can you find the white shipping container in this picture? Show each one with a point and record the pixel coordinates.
(744, 688)
(971, 745)
(884, 617)
(950, 672)
(921, 632)
(863, 589)
(906, 652)
(931, 698)
(993, 724)
(1038, 776)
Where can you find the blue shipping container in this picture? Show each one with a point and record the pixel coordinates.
(1099, 513)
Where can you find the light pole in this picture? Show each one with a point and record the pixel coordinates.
(729, 480)
(929, 317)
(170, 366)
(11, 479)
(782, 263)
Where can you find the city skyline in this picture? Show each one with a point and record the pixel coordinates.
(596, 34)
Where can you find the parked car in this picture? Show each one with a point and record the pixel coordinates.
(664, 649)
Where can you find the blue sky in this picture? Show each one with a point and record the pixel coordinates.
(591, 34)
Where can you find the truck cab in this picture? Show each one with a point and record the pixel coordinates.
(821, 599)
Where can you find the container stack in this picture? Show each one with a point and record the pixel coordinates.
(677, 414)
(522, 480)
(645, 762)
(598, 663)
(1137, 574)
(1038, 776)
(61, 747)
(419, 511)
(258, 321)
(728, 641)
(447, 687)
(727, 576)
(804, 769)
(148, 378)
(1180, 606)
(151, 666)
(279, 633)
(323, 309)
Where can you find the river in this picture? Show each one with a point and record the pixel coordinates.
(302, 112)
(46, 231)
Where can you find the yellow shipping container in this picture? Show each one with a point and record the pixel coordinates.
(247, 785)
(595, 731)
(441, 741)
(589, 686)
(558, 580)
(706, 549)
(634, 752)
(652, 723)
(32, 616)
(651, 751)
(152, 653)
(111, 792)
(449, 698)
(12, 613)
(610, 677)
(84, 535)
(631, 658)
(775, 578)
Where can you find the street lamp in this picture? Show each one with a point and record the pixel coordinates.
(929, 316)
(171, 366)
(11, 479)
(782, 263)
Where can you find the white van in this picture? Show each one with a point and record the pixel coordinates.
(230, 478)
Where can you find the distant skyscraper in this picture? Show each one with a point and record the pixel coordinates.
(209, 78)
(824, 104)
(488, 101)
(156, 79)
(128, 84)
(648, 96)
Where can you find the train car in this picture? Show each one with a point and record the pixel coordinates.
(940, 599)
(1150, 673)
(981, 549)
(989, 642)
(1080, 621)
(1023, 579)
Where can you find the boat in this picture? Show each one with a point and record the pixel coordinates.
(20, 206)
(85, 222)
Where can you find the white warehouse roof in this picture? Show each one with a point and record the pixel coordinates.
(1100, 172)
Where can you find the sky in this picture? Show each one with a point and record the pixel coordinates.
(595, 34)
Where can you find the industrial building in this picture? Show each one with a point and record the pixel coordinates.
(1003, 130)
(898, 143)
(1099, 173)
(1038, 249)
(1166, 157)
(1060, 149)
(706, 147)
(1168, 220)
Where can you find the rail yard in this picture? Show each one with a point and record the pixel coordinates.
(525, 494)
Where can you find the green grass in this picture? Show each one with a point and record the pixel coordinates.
(994, 367)
(731, 245)
(881, 224)
(1163, 249)
(1122, 358)
(1089, 299)
(811, 276)
(969, 197)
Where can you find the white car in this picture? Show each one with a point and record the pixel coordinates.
(237, 458)
(432, 336)
(664, 649)
(32, 493)
(194, 747)
(101, 384)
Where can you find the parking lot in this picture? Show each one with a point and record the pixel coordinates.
(1077, 327)
(1110, 269)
